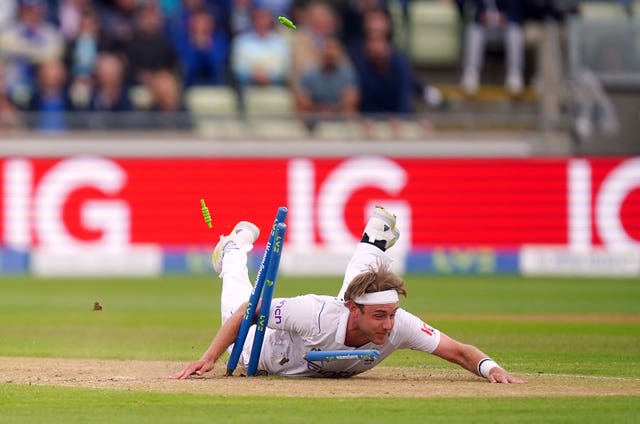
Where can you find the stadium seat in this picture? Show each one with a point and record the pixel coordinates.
(211, 100)
(273, 128)
(374, 130)
(227, 128)
(605, 41)
(394, 130)
(603, 10)
(140, 96)
(214, 109)
(269, 100)
(433, 35)
(337, 130)
(269, 112)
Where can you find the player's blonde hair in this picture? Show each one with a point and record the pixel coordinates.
(375, 279)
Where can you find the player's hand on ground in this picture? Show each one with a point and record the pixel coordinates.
(195, 368)
(498, 375)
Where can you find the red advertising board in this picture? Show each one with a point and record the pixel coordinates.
(504, 203)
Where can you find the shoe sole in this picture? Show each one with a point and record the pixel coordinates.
(390, 219)
(386, 216)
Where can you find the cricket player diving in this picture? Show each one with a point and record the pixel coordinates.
(365, 314)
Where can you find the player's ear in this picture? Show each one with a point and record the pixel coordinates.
(352, 306)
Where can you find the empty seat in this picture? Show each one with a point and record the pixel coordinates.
(337, 130)
(269, 100)
(275, 128)
(603, 10)
(211, 100)
(215, 111)
(433, 34)
(140, 97)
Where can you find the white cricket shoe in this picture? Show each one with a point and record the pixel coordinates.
(514, 83)
(242, 237)
(470, 82)
(381, 229)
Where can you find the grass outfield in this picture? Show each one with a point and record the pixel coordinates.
(66, 405)
(585, 327)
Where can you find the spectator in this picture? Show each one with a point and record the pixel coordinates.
(51, 12)
(387, 84)
(177, 24)
(205, 54)
(70, 15)
(557, 10)
(166, 93)
(167, 104)
(505, 16)
(330, 89)
(240, 19)
(461, 5)
(386, 78)
(320, 23)
(169, 7)
(8, 112)
(262, 56)
(377, 23)
(352, 14)
(26, 44)
(8, 9)
(50, 100)
(109, 93)
(149, 50)
(81, 57)
(119, 21)
(277, 7)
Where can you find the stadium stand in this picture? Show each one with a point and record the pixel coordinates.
(431, 34)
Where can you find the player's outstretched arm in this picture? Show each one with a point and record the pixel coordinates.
(472, 359)
(225, 338)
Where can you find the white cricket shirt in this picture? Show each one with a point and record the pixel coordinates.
(312, 322)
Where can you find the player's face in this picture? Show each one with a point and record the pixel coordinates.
(375, 322)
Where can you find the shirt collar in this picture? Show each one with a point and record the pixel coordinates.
(341, 333)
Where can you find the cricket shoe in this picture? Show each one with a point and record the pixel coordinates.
(381, 229)
(241, 237)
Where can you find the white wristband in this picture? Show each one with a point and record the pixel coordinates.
(485, 365)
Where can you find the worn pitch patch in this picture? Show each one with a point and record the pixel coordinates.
(418, 382)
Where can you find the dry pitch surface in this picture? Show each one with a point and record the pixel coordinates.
(380, 382)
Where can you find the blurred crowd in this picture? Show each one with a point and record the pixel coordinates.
(58, 56)
(505, 18)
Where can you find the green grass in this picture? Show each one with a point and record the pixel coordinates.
(174, 318)
(154, 318)
(68, 405)
(524, 323)
(507, 294)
